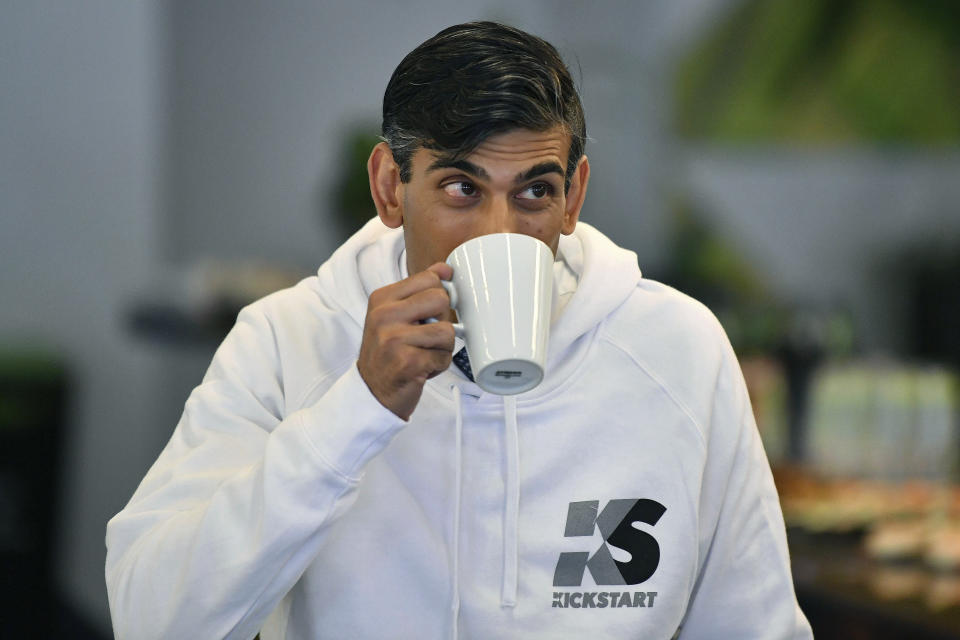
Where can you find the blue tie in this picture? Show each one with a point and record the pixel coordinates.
(462, 361)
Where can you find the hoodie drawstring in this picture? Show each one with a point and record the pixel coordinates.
(511, 524)
(508, 595)
(458, 486)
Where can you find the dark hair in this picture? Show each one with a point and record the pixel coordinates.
(472, 81)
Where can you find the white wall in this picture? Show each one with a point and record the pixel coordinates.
(78, 178)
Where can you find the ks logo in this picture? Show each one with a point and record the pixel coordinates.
(615, 523)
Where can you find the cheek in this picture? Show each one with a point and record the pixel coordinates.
(544, 228)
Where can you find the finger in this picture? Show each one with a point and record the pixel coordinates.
(422, 363)
(442, 269)
(430, 303)
(436, 335)
(441, 367)
(437, 362)
(409, 286)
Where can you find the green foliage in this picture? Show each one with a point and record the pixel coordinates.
(707, 266)
(351, 197)
(826, 71)
(33, 363)
(29, 376)
(711, 269)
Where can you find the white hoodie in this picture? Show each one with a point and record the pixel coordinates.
(625, 496)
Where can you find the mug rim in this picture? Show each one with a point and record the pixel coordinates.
(498, 233)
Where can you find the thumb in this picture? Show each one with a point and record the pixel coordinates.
(442, 269)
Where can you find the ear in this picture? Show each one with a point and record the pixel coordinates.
(385, 185)
(575, 196)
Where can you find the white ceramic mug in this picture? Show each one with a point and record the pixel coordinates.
(502, 291)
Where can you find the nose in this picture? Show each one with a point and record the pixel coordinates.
(500, 217)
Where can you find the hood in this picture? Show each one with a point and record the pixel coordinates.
(370, 260)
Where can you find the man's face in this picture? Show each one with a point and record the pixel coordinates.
(513, 182)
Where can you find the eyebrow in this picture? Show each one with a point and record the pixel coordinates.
(539, 170)
(464, 165)
(479, 172)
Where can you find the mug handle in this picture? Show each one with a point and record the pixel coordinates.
(452, 292)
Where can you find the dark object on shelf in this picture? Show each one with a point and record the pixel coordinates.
(933, 289)
(196, 306)
(34, 388)
(170, 325)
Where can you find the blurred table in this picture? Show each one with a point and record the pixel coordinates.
(847, 595)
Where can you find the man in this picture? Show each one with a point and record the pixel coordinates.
(334, 476)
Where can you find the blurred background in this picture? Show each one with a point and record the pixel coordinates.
(795, 164)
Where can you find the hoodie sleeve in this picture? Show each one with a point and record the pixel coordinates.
(745, 587)
(238, 503)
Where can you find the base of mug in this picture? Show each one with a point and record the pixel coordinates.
(509, 377)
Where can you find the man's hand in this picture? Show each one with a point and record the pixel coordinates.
(398, 353)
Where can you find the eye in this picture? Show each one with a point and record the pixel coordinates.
(537, 191)
(460, 189)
